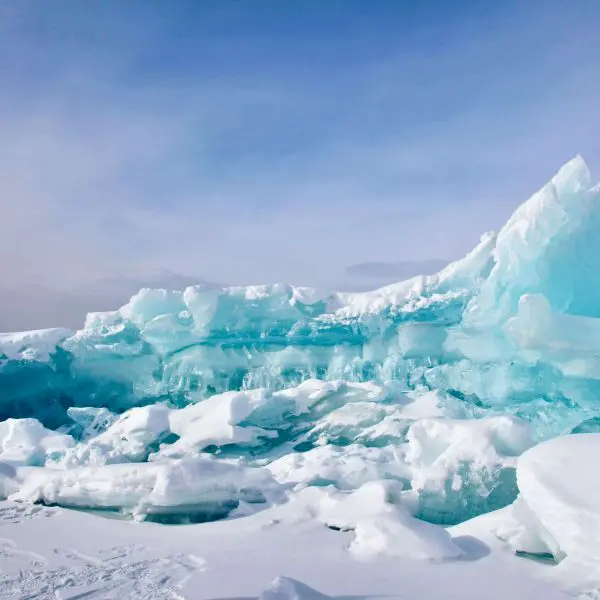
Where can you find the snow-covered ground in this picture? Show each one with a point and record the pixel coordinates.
(319, 540)
(55, 553)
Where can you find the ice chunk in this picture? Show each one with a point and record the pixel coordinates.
(437, 447)
(375, 422)
(458, 466)
(214, 422)
(345, 467)
(383, 527)
(570, 343)
(186, 486)
(91, 420)
(28, 442)
(286, 588)
(129, 438)
(559, 485)
(547, 247)
(308, 393)
(358, 422)
(439, 382)
(32, 345)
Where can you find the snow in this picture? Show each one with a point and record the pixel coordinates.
(382, 527)
(48, 553)
(181, 486)
(28, 442)
(285, 588)
(559, 487)
(32, 345)
(438, 447)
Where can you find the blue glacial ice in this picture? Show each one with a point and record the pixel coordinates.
(438, 382)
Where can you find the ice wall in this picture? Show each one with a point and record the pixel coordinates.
(510, 331)
(549, 246)
(490, 327)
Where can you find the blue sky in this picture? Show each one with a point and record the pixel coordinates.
(263, 141)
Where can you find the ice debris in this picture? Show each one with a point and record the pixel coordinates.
(438, 462)
(438, 383)
(286, 588)
(382, 526)
(36, 345)
(28, 442)
(200, 488)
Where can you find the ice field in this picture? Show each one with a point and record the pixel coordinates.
(435, 438)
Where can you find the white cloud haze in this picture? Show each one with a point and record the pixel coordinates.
(113, 171)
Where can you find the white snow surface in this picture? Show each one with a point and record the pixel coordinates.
(309, 544)
(282, 553)
(28, 442)
(558, 509)
(32, 345)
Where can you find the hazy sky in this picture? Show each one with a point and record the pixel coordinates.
(257, 141)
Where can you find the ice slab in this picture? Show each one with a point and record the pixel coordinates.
(188, 486)
(559, 483)
(32, 345)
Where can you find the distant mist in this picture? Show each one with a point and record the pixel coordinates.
(375, 274)
(37, 306)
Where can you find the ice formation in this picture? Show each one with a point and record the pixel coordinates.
(285, 588)
(219, 401)
(558, 508)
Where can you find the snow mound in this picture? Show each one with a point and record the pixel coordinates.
(28, 442)
(559, 501)
(190, 486)
(286, 588)
(383, 527)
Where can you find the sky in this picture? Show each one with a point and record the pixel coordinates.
(317, 143)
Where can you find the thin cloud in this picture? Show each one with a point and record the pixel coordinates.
(238, 157)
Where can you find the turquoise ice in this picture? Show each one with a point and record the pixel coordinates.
(511, 331)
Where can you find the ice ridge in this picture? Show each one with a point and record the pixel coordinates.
(438, 382)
